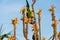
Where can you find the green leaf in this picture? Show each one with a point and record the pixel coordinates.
(1, 29)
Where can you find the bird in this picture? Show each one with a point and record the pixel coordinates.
(29, 12)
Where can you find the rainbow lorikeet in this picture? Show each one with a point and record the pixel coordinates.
(29, 14)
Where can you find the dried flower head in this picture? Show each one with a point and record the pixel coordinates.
(39, 12)
(15, 21)
(52, 8)
(37, 26)
(43, 38)
(23, 10)
(54, 23)
(59, 35)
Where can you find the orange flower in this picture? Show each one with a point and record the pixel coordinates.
(37, 26)
(11, 38)
(23, 10)
(30, 19)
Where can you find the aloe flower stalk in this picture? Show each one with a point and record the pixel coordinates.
(35, 31)
(54, 22)
(39, 19)
(34, 1)
(26, 31)
(14, 22)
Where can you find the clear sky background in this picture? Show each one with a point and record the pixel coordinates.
(11, 9)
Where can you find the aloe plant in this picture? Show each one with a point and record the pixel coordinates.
(1, 29)
(4, 35)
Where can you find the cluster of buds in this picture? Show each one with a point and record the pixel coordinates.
(52, 8)
(39, 12)
(37, 27)
(43, 38)
(23, 10)
(26, 20)
(15, 21)
(54, 23)
(11, 38)
(58, 35)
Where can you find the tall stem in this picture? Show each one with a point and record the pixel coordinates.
(24, 26)
(39, 27)
(54, 24)
(36, 33)
(54, 27)
(55, 33)
(15, 31)
(26, 31)
(14, 22)
(33, 9)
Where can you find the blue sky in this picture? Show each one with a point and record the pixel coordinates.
(11, 9)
